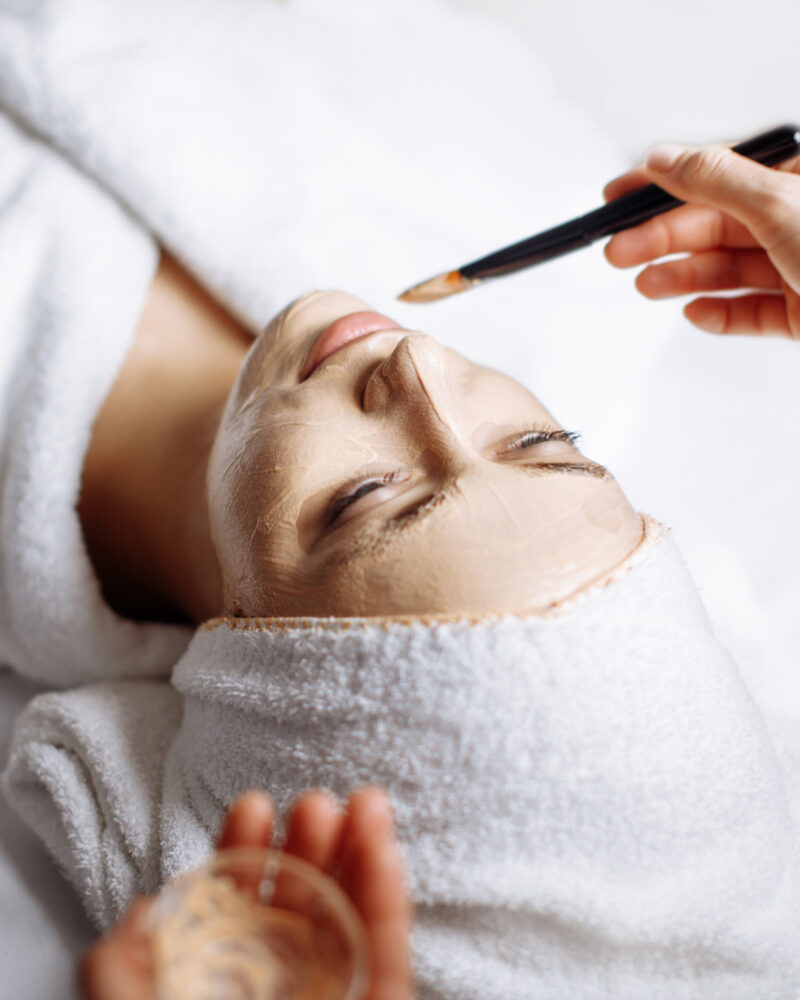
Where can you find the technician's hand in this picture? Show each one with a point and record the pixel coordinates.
(741, 230)
(357, 844)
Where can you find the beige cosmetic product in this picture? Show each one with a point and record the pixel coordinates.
(399, 478)
(439, 287)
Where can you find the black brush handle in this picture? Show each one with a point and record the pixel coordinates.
(769, 148)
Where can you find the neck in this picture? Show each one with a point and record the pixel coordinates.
(143, 499)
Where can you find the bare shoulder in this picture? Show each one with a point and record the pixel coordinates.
(144, 467)
(181, 311)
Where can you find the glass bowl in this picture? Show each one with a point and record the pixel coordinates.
(257, 924)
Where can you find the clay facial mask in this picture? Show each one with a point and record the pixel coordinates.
(396, 477)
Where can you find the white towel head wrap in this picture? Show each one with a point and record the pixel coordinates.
(590, 804)
(589, 801)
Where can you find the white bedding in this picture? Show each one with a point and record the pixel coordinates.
(716, 421)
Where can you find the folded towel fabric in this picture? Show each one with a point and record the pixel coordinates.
(75, 272)
(589, 802)
(88, 782)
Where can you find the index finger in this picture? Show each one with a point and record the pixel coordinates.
(626, 183)
(687, 229)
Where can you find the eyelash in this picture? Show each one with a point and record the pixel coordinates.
(340, 504)
(536, 436)
(527, 440)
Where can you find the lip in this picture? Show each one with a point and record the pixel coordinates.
(342, 332)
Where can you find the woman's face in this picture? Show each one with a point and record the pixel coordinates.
(397, 477)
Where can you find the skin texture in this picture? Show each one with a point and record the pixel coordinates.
(460, 512)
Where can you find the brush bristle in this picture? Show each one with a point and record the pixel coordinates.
(449, 283)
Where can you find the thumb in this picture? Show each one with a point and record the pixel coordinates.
(719, 178)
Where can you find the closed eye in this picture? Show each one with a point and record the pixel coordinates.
(520, 449)
(535, 436)
(350, 496)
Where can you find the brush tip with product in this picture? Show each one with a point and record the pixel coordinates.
(449, 283)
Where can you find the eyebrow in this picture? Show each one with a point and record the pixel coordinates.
(390, 533)
(582, 468)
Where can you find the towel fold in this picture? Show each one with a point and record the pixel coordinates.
(75, 273)
(590, 803)
(85, 774)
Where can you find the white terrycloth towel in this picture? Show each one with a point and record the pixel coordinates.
(86, 776)
(241, 136)
(276, 146)
(590, 803)
(68, 308)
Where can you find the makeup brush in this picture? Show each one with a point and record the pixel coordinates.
(626, 212)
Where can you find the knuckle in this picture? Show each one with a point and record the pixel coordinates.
(774, 200)
(779, 215)
(706, 166)
(730, 272)
(726, 316)
(661, 237)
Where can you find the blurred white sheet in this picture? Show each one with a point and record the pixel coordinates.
(664, 69)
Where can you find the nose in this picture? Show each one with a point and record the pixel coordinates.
(416, 374)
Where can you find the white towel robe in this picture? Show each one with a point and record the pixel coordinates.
(74, 273)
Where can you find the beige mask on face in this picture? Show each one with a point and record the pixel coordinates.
(398, 478)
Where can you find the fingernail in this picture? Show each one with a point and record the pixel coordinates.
(664, 157)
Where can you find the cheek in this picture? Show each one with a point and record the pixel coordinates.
(609, 511)
(507, 554)
(302, 589)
